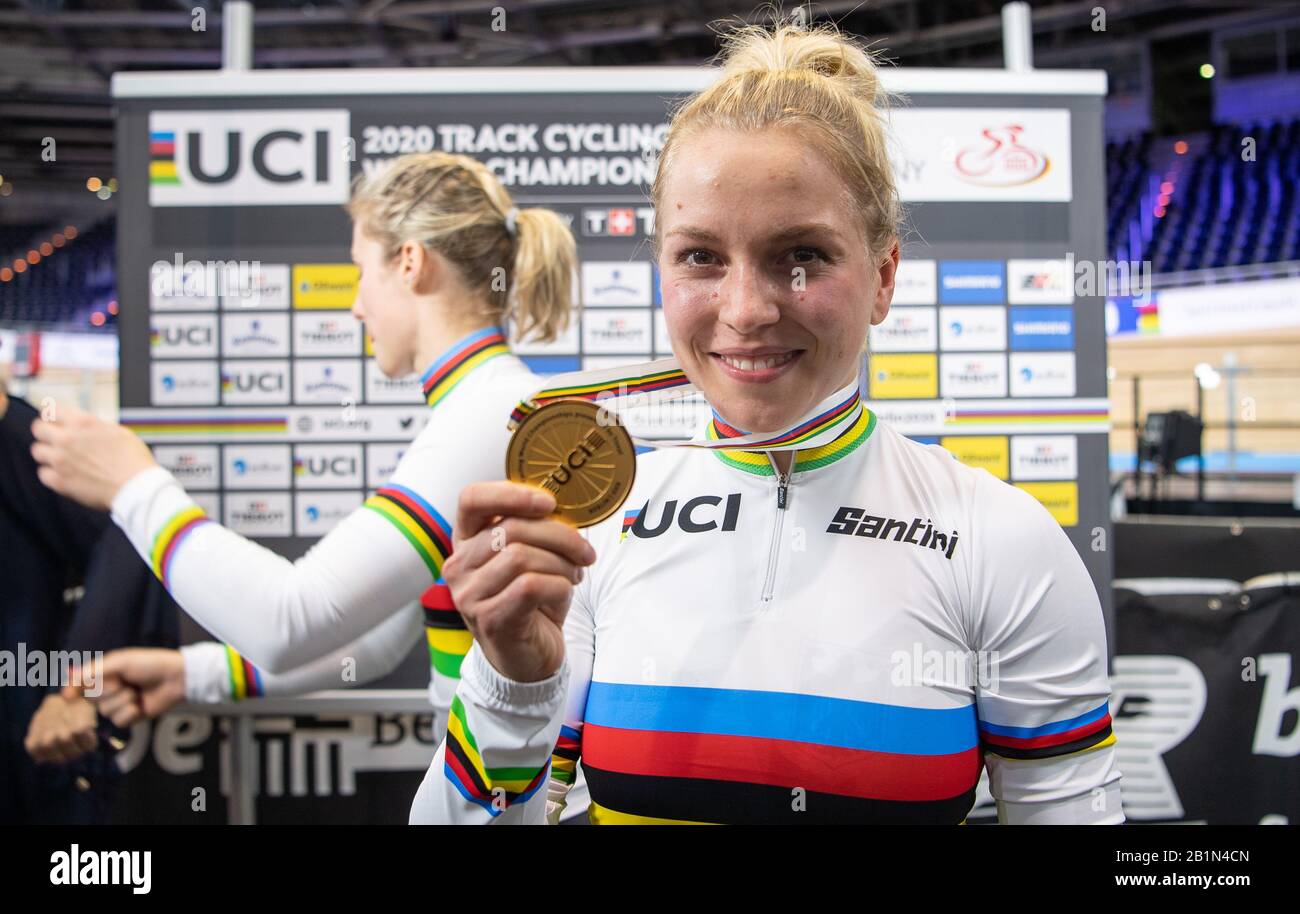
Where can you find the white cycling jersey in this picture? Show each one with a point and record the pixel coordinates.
(358, 594)
(853, 643)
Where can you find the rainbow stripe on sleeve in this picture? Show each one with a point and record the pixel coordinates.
(418, 521)
(494, 789)
(445, 631)
(245, 679)
(564, 760)
(1090, 730)
(169, 538)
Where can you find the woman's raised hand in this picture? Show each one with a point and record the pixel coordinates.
(85, 458)
(511, 572)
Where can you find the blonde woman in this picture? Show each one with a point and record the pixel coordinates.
(434, 235)
(755, 663)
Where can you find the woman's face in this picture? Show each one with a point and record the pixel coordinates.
(384, 304)
(768, 286)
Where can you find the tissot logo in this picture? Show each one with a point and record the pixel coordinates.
(701, 514)
(243, 158)
(620, 221)
(258, 512)
(919, 532)
(328, 331)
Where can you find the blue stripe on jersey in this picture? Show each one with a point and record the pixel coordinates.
(423, 503)
(784, 715)
(1059, 726)
(456, 349)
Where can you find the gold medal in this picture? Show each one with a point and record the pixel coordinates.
(565, 449)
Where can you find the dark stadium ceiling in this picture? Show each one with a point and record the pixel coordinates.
(57, 56)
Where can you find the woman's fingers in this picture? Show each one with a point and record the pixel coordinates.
(481, 503)
(517, 559)
(511, 572)
(48, 432)
(109, 703)
(507, 613)
(549, 534)
(125, 716)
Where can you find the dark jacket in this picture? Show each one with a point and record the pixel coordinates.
(49, 544)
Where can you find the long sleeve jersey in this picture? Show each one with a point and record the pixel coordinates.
(359, 594)
(851, 642)
(217, 672)
(383, 557)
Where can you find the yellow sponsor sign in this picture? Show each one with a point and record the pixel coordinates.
(1060, 498)
(904, 377)
(986, 452)
(324, 285)
(370, 344)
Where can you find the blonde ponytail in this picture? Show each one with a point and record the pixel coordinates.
(454, 205)
(546, 258)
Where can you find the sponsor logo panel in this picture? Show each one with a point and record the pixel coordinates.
(183, 383)
(973, 375)
(898, 377)
(1044, 457)
(1061, 499)
(986, 452)
(259, 513)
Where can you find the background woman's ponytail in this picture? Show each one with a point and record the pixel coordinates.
(454, 205)
(546, 259)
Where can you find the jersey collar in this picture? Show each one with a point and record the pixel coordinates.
(805, 459)
(466, 354)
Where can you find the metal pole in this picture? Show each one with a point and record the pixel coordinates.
(1017, 37)
(1137, 438)
(1200, 444)
(241, 807)
(237, 35)
(1230, 391)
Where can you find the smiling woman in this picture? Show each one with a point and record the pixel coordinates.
(778, 220)
(758, 669)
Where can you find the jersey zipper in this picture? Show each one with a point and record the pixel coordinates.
(782, 503)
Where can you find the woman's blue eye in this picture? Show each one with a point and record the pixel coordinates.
(687, 255)
(818, 252)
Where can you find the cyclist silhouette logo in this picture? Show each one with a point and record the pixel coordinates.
(1001, 161)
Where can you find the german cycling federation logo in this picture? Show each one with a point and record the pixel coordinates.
(1001, 159)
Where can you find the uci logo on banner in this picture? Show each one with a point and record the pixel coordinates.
(246, 158)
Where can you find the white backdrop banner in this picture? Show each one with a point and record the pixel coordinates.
(1229, 307)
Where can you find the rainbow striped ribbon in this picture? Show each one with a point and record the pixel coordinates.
(663, 381)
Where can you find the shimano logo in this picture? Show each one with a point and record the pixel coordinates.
(857, 522)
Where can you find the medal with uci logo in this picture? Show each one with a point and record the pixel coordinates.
(587, 462)
(582, 453)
